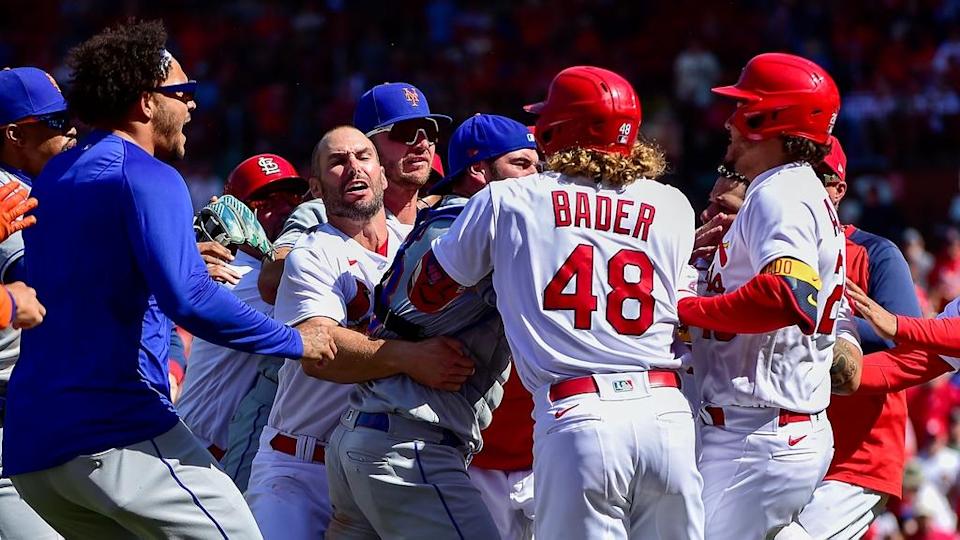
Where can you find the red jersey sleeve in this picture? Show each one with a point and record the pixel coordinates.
(898, 369)
(763, 304)
(939, 335)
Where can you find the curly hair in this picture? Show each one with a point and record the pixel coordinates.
(113, 68)
(800, 149)
(646, 160)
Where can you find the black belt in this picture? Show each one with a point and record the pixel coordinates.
(394, 322)
(381, 422)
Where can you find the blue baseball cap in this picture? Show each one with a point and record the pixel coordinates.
(389, 103)
(28, 91)
(480, 137)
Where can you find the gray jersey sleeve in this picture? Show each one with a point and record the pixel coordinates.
(11, 249)
(305, 217)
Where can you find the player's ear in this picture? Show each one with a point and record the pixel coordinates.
(478, 172)
(315, 189)
(145, 108)
(13, 135)
(383, 177)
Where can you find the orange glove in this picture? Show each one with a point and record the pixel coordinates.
(14, 203)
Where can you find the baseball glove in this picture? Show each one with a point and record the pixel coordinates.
(232, 224)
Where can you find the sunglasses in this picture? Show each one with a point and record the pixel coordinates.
(183, 92)
(58, 121)
(408, 131)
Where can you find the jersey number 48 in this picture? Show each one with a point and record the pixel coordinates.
(582, 301)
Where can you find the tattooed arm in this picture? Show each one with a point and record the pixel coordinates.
(846, 367)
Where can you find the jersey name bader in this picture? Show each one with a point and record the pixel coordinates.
(608, 214)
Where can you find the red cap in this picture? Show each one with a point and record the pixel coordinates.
(255, 173)
(783, 94)
(588, 107)
(836, 160)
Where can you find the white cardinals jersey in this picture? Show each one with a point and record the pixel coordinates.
(586, 276)
(786, 214)
(217, 377)
(327, 274)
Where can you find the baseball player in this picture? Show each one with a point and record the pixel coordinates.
(89, 422)
(219, 377)
(763, 358)
(397, 118)
(392, 416)
(869, 430)
(588, 294)
(35, 127)
(328, 279)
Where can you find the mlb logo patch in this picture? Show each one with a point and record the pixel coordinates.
(623, 385)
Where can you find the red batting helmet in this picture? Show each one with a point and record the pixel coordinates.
(783, 94)
(836, 160)
(257, 172)
(588, 107)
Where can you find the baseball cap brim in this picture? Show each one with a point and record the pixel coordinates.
(442, 120)
(534, 108)
(735, 93)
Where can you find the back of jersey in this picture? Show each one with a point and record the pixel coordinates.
(587, 276)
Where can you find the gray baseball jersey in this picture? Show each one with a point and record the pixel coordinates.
(11, 250)
(306, 216)
(472, 318)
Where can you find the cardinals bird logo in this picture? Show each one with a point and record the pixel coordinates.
(359, 307)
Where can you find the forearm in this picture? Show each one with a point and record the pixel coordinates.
(359, 358)
(941, 336)
(898, 369)
(212, 313)
(270, 273)
(845, 371)
(763, 304)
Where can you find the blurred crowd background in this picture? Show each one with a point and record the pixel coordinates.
(275, 75)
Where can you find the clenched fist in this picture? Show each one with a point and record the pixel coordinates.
(29, 310)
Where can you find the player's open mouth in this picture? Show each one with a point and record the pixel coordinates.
(355, 186)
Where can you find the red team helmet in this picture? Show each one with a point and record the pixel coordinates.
(783, 94)
(588, 107)
(255, 173)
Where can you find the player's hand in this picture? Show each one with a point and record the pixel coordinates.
(30, 311)
(708, 235)
(216, 257)
(882, 321)
(319, 348)
(14, 203)
(175, 389)
(440, 362)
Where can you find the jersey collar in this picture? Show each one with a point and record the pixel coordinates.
(17, 173)
(771, 172)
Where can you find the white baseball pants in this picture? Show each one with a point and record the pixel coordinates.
(509, 497)
(757, 474)
(616, 464)
(838, 511)
(288, 494)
